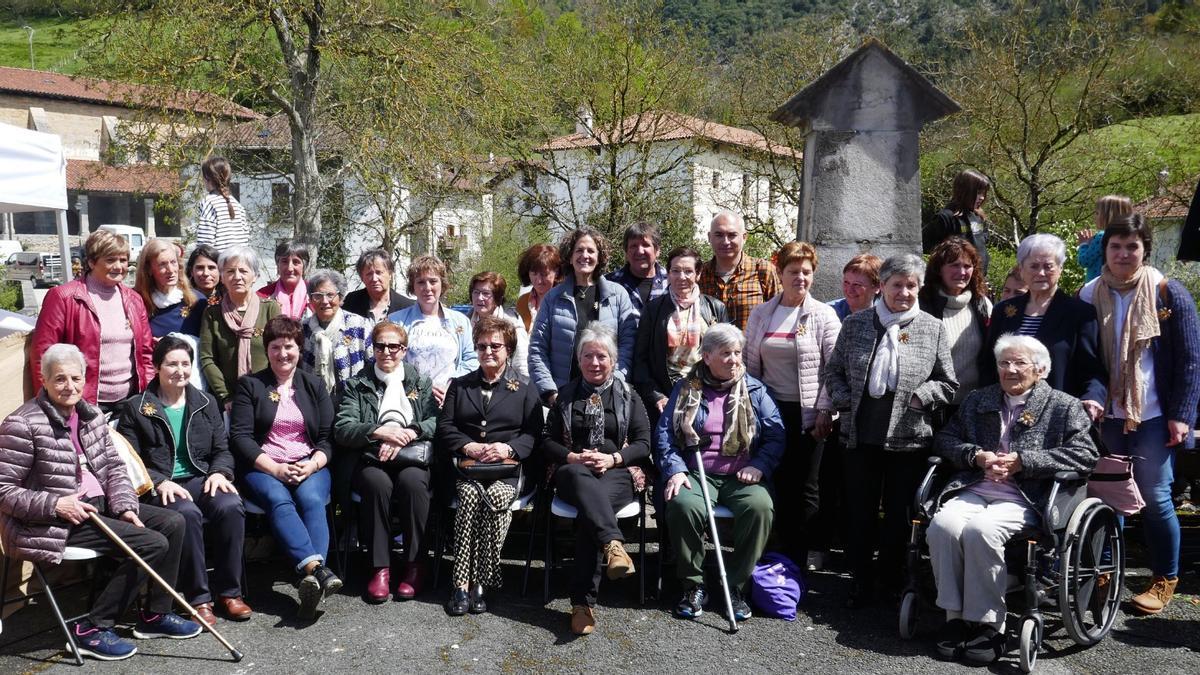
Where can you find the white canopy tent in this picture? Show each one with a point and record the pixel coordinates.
(33, 177)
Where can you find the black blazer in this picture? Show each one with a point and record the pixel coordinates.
(1071, 333)
(945, 224)
(358, 302)
(513, 417)
(253, 414)
(144, 424)
(649, 374)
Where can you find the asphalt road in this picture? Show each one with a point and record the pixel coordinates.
(520, 635)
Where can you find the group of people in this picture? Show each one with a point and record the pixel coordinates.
(806, 417)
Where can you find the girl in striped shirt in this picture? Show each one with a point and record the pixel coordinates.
(222, 222)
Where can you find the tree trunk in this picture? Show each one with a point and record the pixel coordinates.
(308, 196)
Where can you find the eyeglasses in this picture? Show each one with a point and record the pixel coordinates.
(489, 346)
(322, 297)
(1019, 365)
(481, 294)
(392, 347)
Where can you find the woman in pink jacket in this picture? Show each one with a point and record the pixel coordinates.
(104, 318)
(788, 338)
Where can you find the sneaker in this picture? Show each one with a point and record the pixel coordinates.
(1156, 598)
(619, 563)
(100, 643)
(169, 625)
(310, 596)
(330, 583)
(741, 609)
(985, 646)
(691, 605)
(950, 639)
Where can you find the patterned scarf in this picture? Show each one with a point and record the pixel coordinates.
(885, 367)
(740, 425)
(1140, 323)
(325, 340)
(593, 412)
(685, 327)
(242, 327)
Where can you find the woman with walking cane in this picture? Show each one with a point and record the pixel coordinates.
(62, 483)
(727, 420)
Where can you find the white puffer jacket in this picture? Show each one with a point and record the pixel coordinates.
(814, 346)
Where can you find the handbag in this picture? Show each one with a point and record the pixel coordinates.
(484, 472)
(1112, 481)
(417, 453)
(139, 477)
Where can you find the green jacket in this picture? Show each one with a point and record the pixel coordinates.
(357, 414)
(218, 349)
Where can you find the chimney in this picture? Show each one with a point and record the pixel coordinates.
(584, 119)
(1164, 177)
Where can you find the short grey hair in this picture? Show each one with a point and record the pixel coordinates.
(721, 335)
(1042, 243)
(241, 254)
(732, 216)
(597, 333)
(62, 353)
(1024, 343)
(334, 277)
(908, 264)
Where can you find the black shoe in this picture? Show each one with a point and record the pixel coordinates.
(741, 610)
(478, 604)
(310, 596)
(950, 639)
(458, 603)
(330, 583)
(985, 646)
(691, 605)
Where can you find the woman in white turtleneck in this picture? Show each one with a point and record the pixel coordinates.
(956, 293)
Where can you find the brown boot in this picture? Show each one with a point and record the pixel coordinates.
(1157, 597)
(583, 621)
(618, 561)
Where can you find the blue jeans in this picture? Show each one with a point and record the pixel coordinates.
(1153, 471)
(296, 513)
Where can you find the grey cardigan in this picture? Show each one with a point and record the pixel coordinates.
(926, 370)
(1051, 435)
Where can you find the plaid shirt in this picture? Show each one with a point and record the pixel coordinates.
(752, 283)
(630, 282)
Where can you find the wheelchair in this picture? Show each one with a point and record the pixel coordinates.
(1073, 562)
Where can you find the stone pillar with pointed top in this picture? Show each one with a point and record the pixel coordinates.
(861, 185)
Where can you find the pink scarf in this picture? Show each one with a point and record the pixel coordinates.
(295, 303)
(243, 327)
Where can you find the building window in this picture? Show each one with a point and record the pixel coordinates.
(594, 182)
(528, 179)
(236, 190)
(281, 203)
(142, 153)
(716, 180)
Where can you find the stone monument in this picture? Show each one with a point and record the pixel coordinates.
(861, 185)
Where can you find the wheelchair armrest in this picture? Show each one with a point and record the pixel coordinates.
(924, 491)
(1068, 477)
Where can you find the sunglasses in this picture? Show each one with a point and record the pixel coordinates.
(392, 347)
(489, 346)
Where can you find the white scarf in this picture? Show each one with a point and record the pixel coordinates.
(165, 300)
(394, 406)
(885, 367)
(325, 340)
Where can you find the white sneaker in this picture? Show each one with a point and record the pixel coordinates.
(816, 561)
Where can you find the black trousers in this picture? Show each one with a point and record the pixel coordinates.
(597, 498)
(797, 485)
(159, 543)
(829, 524)
(875, 475)
(222, 520)
(406, 489)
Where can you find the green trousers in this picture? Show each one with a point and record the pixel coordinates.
(687, 521)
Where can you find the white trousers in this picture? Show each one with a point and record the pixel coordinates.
(966, 544)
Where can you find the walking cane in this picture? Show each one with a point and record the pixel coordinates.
(712, 524)
(95, 518)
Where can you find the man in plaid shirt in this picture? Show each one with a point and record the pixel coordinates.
(738, 280)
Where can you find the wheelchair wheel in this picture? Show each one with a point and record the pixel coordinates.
(1031, 642)
(909, 605)
(1093, 572)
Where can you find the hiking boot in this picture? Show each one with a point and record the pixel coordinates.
(691, 605)
(583, 620)
(100, 643)
(950, 639)
(741, 609)
(1157, 597)
(619, 563)
(168, 625)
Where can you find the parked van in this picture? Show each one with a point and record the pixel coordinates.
(9, 247)
(40, 268)
(136, 237)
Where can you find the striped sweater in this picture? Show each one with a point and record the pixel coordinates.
(216, 228)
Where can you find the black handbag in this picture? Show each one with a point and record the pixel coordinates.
(417, 453)
(484, 472)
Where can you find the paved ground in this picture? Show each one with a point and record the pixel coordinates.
(523, 636)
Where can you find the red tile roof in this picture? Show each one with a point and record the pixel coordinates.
(144, 179)
(1173, 203)
(273, 133)
(654, 126)
(55, 85)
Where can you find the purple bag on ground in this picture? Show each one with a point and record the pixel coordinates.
(776, 586)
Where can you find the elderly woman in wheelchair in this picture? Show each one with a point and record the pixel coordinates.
(1007, 443)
